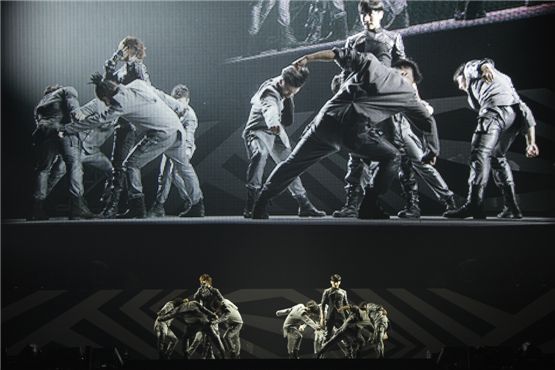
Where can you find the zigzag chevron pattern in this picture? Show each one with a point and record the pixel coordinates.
(421, 320)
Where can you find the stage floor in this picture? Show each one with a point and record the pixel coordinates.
(293, 220)
(444, 282)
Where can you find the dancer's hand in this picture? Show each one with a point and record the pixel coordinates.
(78, 116)
(300, 63)
(275, 129)
(125, 52)
(532, 151)
(487, 73)
(428, 106)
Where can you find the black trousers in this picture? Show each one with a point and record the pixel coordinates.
(208, 332)
(294, 339)
(124, 141)
(327, 135)
(48, 152)
(333, 321)
(361, 171)
(346, 333)
(495, 133)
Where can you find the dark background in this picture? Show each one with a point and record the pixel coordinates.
(493, 267)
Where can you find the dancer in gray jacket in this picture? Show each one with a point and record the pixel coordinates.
(154, 114)
(298, 317)
(272, 110)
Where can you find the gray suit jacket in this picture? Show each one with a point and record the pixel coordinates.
(53, 110)
(138, 102)
(484, 96)
(266, 110)
(296, 316)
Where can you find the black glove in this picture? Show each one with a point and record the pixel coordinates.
(428, 157)
(114, 59)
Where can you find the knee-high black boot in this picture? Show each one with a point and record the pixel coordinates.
(137, 208)
(353, 200)
(511, 208)
(370, 209)
(474, 206)
(249, 204)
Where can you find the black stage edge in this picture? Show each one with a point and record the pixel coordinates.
(279, 253)
(286, 364)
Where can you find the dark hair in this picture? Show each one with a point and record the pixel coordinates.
(336, 83)
(312, 306)
(335, 278)
(177, 301)
(180, 91)
(459, 72)
(135, 44)
(366, 6)
(375, 307)
(409, 63)
(103, 88)
(51, 88)
(205, 277)
(295, 77)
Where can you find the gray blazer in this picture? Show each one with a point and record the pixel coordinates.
(296, 316)
(190, 124)
(138, 102)
(266, 110)
(53, 110)
(484, 96)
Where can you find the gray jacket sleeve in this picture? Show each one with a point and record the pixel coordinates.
(206, 311)
(93, 121)
(36, 116)
(398, 51)
(346, 299)
(219, 295)
(284, 312)
(472, 69)
(167, 308)
(224, 316)
(527, 116)
(190, 123)
(352, 60)
(90, 108)
(170, 315)
(308, 321)
(175, 105)
(71, 98)
(270, 110)
(324, 301)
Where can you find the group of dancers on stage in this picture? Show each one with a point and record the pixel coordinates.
(212, 324)
(375, 102)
